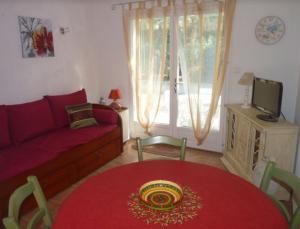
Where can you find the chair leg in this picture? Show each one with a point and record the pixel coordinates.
(140, 156)
(139, 149)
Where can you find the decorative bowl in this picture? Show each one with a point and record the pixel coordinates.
(160, 194)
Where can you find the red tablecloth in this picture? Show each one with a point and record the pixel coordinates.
(227, 200)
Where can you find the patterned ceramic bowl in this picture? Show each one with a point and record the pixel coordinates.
(160, 194)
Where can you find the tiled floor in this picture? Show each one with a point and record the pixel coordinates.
(128, 156)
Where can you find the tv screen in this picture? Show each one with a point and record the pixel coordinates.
(267, 96)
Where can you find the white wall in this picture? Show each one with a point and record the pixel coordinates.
(297, 120)
(297, 114)
(23, 80)
(277, 62)
(110, 60)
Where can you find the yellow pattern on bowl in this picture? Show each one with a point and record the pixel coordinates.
(160, 194)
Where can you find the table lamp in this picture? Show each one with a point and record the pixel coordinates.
(115, 94)
(247, 80)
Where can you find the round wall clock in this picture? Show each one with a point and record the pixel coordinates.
(269, 30)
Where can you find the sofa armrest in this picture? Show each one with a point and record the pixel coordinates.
(105, 114)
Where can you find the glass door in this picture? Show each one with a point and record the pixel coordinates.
(182, 126)
(173, 117)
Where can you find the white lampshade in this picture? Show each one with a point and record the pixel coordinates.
(247, 78)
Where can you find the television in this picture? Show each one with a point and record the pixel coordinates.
(267, 97)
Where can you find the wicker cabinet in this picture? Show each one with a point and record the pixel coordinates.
(249, 139)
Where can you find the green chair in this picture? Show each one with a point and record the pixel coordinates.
(16, 200)
(288, 179)
(166, 140)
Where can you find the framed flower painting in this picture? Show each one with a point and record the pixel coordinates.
(36, 37)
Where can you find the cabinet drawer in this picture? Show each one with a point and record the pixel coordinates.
(109, 151)
(243, 132)
(94, 160)
(87, 164)
(58, 180)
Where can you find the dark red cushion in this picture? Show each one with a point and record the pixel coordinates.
(4, 131)
(28, 120)
(58, 105)
(105, 116)
(28, 155)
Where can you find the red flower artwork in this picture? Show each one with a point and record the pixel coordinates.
(36, 37)
(42, 41)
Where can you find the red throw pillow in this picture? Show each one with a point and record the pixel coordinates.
(28, 120)
(105, 116)
(58, 105)
(4, 130)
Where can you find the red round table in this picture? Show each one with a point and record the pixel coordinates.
(227, 200)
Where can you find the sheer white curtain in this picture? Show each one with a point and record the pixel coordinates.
(145, 31)
(203, 33)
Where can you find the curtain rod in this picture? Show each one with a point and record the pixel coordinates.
(134, 2)
(126, 3)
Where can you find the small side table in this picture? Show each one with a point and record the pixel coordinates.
(124, 113)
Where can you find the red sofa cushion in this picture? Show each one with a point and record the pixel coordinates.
(58, 105)
(106, 116)
(30, 154)
(28, 120)
(4, 130)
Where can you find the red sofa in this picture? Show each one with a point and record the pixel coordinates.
(35, 139)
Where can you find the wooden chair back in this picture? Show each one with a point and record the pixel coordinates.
(161, 139)
(17, 198)
(290, 180)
